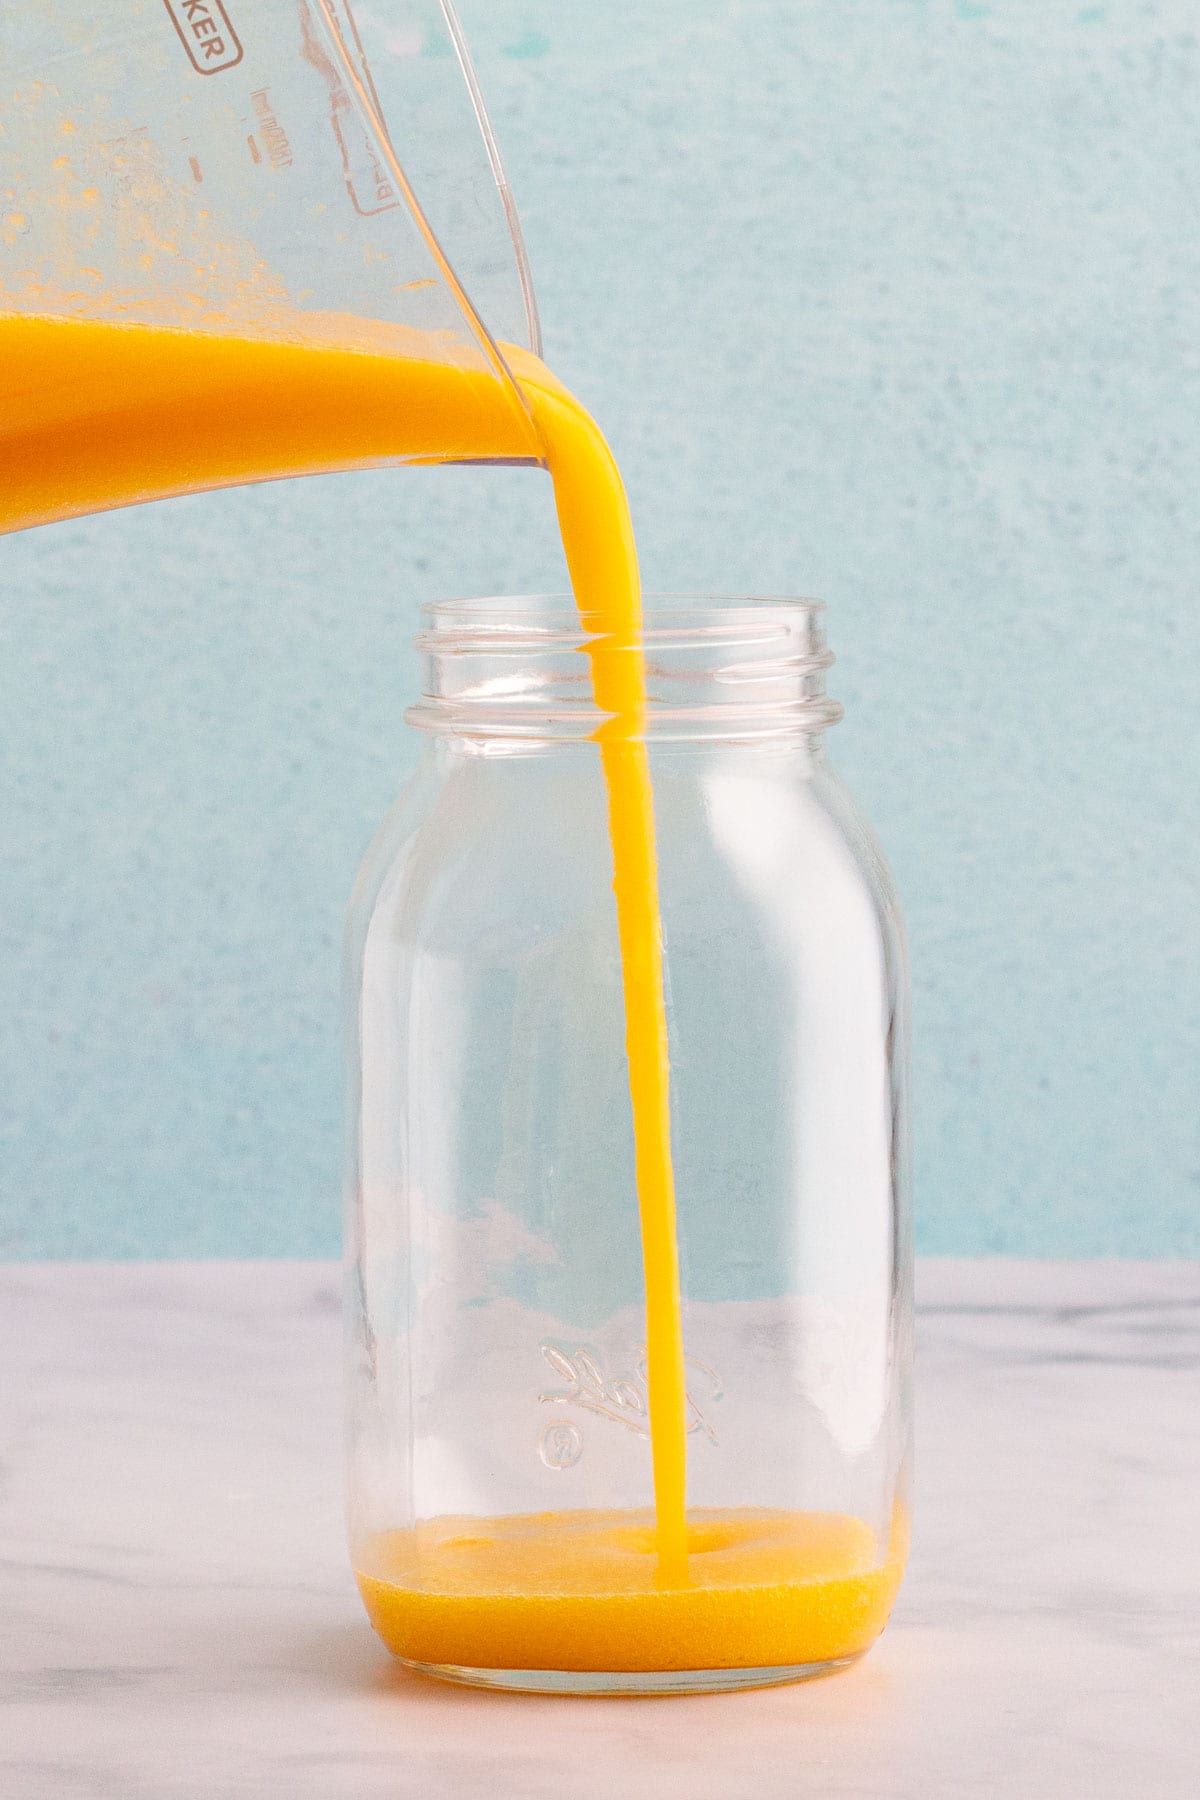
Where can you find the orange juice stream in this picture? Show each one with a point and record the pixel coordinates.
(101, 414)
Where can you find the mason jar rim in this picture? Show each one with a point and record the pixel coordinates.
(717, 666)
(557, 615)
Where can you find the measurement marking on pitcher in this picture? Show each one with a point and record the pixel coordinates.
(620, 1397)
(274, 137)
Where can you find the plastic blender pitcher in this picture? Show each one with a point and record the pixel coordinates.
(223, 168)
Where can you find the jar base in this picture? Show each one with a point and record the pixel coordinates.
(584, 1683)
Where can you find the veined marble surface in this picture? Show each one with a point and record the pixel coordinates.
(178, 1620)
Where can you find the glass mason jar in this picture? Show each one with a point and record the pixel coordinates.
(501, 1497)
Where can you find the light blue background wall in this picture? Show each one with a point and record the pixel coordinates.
(932, 271)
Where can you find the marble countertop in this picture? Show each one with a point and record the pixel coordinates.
(178, 1622)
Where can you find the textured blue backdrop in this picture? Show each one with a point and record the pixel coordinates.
(893, 301)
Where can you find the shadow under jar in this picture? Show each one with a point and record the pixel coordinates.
(501, 1497)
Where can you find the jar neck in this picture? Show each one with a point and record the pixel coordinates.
(720, 669)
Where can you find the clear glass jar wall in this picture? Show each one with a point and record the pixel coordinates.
(500, 1477)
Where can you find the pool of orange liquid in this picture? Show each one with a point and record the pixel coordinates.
(581, 1591)
(103, 413)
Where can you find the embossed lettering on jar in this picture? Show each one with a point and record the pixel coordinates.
(500, 1475)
